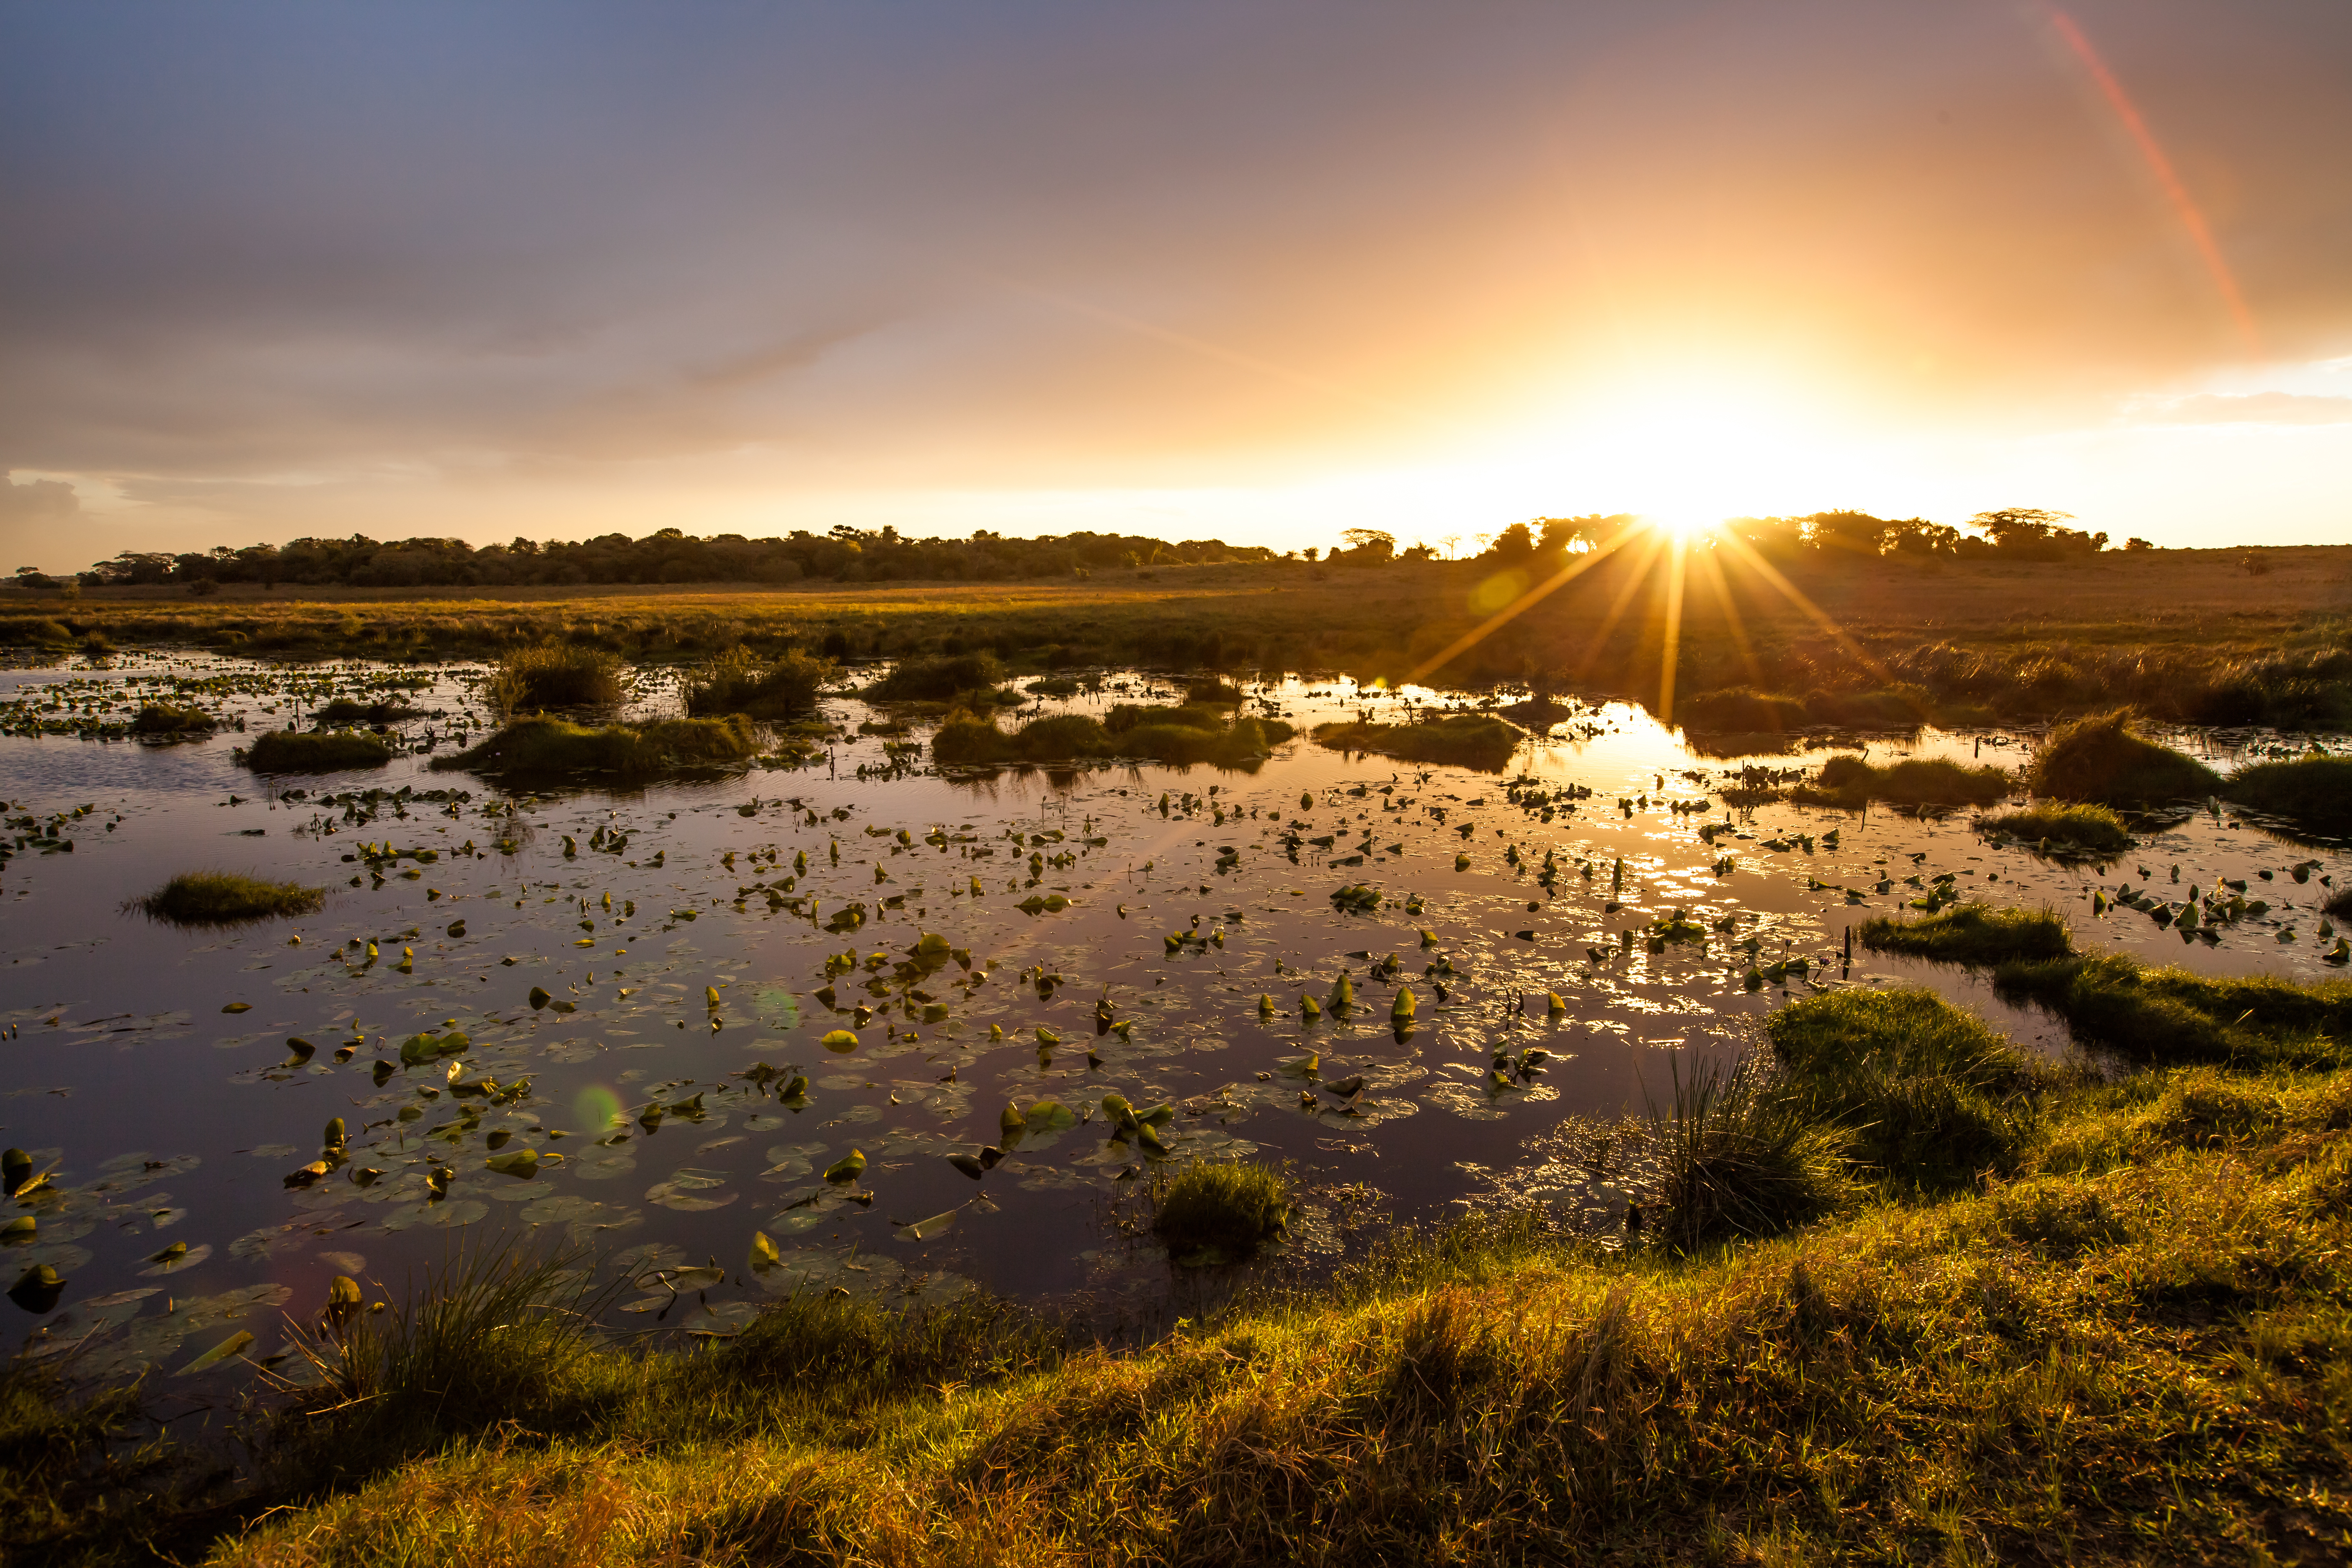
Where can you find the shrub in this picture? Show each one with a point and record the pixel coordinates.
(2077, 827)
(164, 719)
(1219, 1213)
(2313, 791)
(296, 751)
(940, 679)
(736, 681)
(557, 675)
(224, 898)
(1477, 741)
(1972, 933)
(2100, 759)
(558, 750)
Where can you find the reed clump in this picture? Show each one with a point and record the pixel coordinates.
(1972, 933)
(739, 682)
(1915, 781)
(2312, 793)
(1223, 1211)
(168, 719)
(2073, 828)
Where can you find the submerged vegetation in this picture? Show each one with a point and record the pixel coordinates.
(1464, 740)
(557, 748)
(315, 751)
(225, 897)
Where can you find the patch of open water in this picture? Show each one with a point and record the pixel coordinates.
(683, 933)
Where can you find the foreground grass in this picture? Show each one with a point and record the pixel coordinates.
(2124, 1336)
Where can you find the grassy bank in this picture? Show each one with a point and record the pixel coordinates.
(2036, 1315)
(2181, 635)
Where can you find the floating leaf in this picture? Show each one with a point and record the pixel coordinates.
(239, 1008)
(233, 1345)
(968, 1165)
(847, 1169)
(840, 1040)
(522, 1163)
(1049, 1116)
(37, 1288)
(924, 1229)
(539, 997)
(764, 1255)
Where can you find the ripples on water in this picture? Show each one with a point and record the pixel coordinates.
(169, 1120)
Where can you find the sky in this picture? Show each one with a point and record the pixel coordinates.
(1234, 270)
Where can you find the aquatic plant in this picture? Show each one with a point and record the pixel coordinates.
(557, 675)
(315, 751)
(227, 898)
(1219, 1213)
(2102, 759)
(1463, 739)
(739, 682)
(558, 749)
(2076, 827)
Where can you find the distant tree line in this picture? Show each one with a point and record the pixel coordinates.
(849, 554)
(844, 555)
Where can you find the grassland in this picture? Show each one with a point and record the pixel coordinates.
(2181, 635)
(2034, 1315)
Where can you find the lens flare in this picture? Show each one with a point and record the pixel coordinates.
(596, 1107)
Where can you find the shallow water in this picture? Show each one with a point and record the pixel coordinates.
(169, 1118)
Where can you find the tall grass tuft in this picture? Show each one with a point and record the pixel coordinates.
(1220, 1213)
(940, 679)
(1916, 781)
(314, 752)
(557, 675)
(739, 681)
(1463, 739)
(167, 718)
(492, 1335)
(559, 750)
(1740, 1158)
(2102, 759)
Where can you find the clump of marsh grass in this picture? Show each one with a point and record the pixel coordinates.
(1740, 709)
(2102, 759)
(1931, 1096)
(227, 898)
(65, 1468)
(2165, 1014)
(344, 710)
(167, 718)
(943, 679)
(492, 1335)
(1737, 1158)
(1477, 741)
(1175, 735)
(1973, 934)
(1915, 781)
(2059, 830)
(557, 675)
(1220, 1213)
(315, 751)
(557, 748)
(739, 682)
(2312, 792)
(2339, 905)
